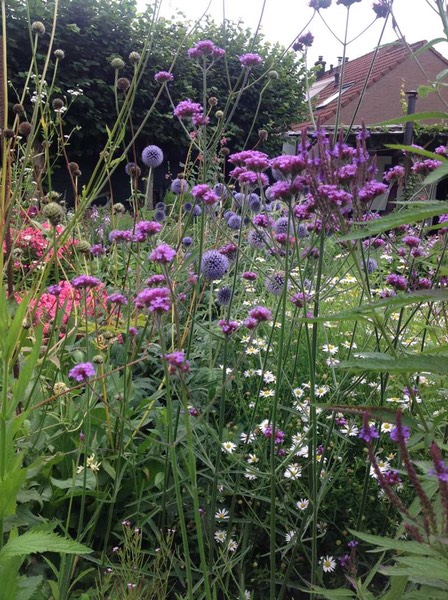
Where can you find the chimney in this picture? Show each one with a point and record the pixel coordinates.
(320, 67)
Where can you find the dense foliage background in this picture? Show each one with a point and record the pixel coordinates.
(92, 32)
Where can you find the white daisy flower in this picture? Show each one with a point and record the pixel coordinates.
(220, 536)
(289, 535)
(222, 514)
(228, 447)
(267, 393)
(252, 351)
(330, 349)
(293, 471)
(302, 504)
(328, 564)
(232, 546)
(252, 459)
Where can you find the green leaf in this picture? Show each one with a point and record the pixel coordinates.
(27, 587)
(40, 541)
(9, 488)
(419, 151)
(397, 588)
(366, 311)
(436, 175)
(384, 543)
(334, 594)
(395, 219)
(384, 363)
(419, 116)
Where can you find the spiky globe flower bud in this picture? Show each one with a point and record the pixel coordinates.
(263, 134)
(8, 134)
(212, 101)
(25, 128)
(54, 213)
(98, 359)
(18, 109)
(74, 169)
(123, 84)
(273, 75)
(119, 208)
(38, 28)
(57, 103)
(59, 54)
(181, 175)
(117, 63)
(134, 58)
(224, 151)
(83, 246)
(219, 114)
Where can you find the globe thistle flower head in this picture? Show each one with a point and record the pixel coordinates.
(117, 63)
(54, 213)
(254, 203)
(224, 296)
(221, 190)
(163, 77)
(281, 225)
(347, 3)
(59, 54)
(275, 283)
(134, 58)
(187, 241)
(38, 28)
(132, 169)
(179, 186)
(214, 265)
(256, 239)
(197, 211)
(234, 222)
(187, 207)
(152, 156)
(159, 216)
(249, 60)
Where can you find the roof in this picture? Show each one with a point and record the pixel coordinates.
(381, 65)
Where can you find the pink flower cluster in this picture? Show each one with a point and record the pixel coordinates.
(156, 300)
(34, 244)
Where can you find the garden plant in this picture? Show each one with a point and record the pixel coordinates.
(236, 392)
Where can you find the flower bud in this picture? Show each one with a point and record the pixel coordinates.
(38, 28)
(117, 63)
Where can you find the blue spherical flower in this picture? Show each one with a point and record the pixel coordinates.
(187, 241)
(275, 283)
(160, 206)
(132, 169)
(214, 265)
(197, 210)
(224, 296)
(256, 239)
(281, 225)
(302, 231)
(255, 204)
(159, 216)
(234, 222)
(228, 214)
(152, 156)
(371, 265)
(187, 207)
(221, 190)
(179, 186)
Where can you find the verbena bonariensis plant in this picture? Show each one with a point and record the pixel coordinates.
(206, 370)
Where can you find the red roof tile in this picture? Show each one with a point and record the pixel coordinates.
(379, 62)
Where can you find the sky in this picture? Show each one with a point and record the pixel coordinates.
(284, 20)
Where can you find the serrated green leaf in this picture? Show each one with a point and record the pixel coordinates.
(384, 543)
(397, 588)
(384, 363)
(395, 219)
(40, 541)
(419, 116)
(366, 311)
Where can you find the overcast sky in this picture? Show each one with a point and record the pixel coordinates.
(283, 20)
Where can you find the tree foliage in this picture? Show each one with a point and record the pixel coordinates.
(92, 32)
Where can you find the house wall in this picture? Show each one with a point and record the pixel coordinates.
(383, 98)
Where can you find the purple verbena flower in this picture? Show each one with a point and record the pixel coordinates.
(163, 77)
(82, 371)
(186, 109)
(163, 254)
(368, 433)
(85, 281)
(154, 299)
(250, 59)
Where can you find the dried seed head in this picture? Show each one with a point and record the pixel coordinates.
(119, 208)
(219, 114)
(59, 54)
(273, 75)
(74, 169)
(263, 134)
(57, 103)
(8, 134)
(213, 101)
(18, 109)
(25, 128)
(123, 84)
(224, 151)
